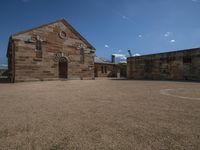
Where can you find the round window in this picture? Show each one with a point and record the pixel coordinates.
(63, 35)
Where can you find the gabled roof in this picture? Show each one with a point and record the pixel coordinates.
(101, 61)
(65, 23)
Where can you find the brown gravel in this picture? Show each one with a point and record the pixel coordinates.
(98, 114)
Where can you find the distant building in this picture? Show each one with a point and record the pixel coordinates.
(2, 72)
(176, 65)
(4, 66)
(51, 51)
(119, 58)
(105, 68)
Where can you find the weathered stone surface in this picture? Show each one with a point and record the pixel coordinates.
(27, 63)
(178, 65)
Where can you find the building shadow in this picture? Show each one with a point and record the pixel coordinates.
(156, 80)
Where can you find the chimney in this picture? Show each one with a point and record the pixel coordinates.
(130, 54)
(113, 59)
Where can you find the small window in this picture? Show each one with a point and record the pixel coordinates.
(187, 59)
(81, 55)
(105, 69)
(39, 45)
(102, 69)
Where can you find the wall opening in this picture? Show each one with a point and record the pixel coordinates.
(63, 68)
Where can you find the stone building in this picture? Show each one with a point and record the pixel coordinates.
(104, 68)
(177, 65)
(51, 51)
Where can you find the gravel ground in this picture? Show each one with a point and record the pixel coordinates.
(100, 114)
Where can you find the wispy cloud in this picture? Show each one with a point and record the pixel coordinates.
(122, 15)
(172, 41)
(119, 51)
(195, 1)
(118, 13)
(125, 17)
(168, 34)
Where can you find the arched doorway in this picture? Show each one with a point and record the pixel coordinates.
(63, 67)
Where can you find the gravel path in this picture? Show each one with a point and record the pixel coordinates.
(99, 114)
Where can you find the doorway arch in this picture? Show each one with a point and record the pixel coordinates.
(63, 67)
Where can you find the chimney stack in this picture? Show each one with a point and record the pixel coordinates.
(113, 59)
(130, 54)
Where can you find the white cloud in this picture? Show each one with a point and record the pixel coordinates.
(172, 41)
(140, 36)
(136, 54)
(167, 34)
(195, 1)
(106, 46)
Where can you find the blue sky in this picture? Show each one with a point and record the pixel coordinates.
(144, 26)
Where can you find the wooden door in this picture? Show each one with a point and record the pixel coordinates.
(63, 69)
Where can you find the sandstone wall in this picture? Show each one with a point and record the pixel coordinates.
(179, 65)
(31, 64)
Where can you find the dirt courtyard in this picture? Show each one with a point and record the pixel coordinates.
(100, 115)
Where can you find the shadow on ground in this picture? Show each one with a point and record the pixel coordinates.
(122, 79)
